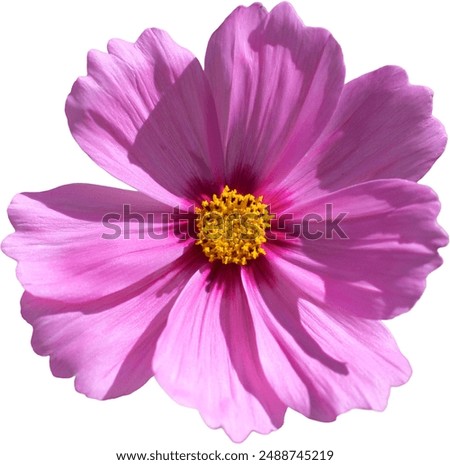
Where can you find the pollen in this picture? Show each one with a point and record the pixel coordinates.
(231, 227)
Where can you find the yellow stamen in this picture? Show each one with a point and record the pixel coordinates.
(231, 228)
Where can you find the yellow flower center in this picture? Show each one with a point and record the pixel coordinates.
(231, 228)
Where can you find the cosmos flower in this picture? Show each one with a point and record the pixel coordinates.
(305, 226)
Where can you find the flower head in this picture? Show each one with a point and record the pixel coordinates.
(276, 218)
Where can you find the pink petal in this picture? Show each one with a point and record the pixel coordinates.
(276, 84)
(146, 115)
(382, 128)
(108, 344)
(378, 271)
(62, 248)
(320, 362)
(206, 357)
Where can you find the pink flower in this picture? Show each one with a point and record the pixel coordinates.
(239, 327)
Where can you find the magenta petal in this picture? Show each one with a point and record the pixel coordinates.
(62, 250)
(108, 344)
(276, 84)
(207, 357)
(374, 261)
(146, 115)
(382, 128)
(320, 363)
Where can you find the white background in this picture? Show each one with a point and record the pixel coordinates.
(44, 421)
